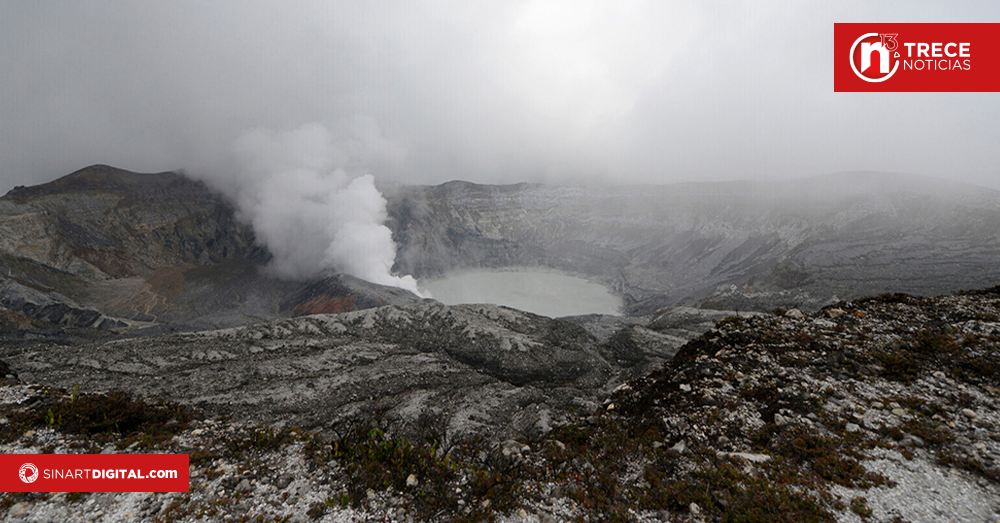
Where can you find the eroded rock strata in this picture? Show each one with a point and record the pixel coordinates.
(877, 409)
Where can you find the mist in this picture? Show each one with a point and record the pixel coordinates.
(499, 92)
(293, 111)
(297, 190)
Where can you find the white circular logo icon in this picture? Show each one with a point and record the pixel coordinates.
(871, 62)
(28, 473)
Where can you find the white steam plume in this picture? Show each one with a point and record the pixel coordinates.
(295, 188)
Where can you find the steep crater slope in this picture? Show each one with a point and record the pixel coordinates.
(148, 249)
(101, 223)
(741, 245)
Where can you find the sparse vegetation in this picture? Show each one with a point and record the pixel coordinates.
(114, 416)
(859, 505)
(756, 421)
(469, 480)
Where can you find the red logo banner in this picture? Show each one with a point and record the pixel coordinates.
(916, 57)
(94, 473)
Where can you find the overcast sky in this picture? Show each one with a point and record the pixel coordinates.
(489, 91)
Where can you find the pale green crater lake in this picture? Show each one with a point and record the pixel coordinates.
(544, 292)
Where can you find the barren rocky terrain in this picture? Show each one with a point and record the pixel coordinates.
(148, 249)
(878, 409)
(138, 315)
(480, 368)
(162, 249)
(733, 245)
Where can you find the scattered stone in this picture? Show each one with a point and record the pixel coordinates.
(969, 413)
(871, 422)
(694, 508)
(411, 480)
(748, 456)
(19, 509)
(283, 481)
(852, 427)
(708, 399)
(909, 440)
(794, 314)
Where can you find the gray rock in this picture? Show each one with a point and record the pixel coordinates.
(283, 481)
(635, 344)
(19, 509)
(835, 312)
(748, 456)
(512, 448)
(477, 366)
(794, 314)
(708, 399)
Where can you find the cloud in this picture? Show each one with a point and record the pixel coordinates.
(527, 90)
